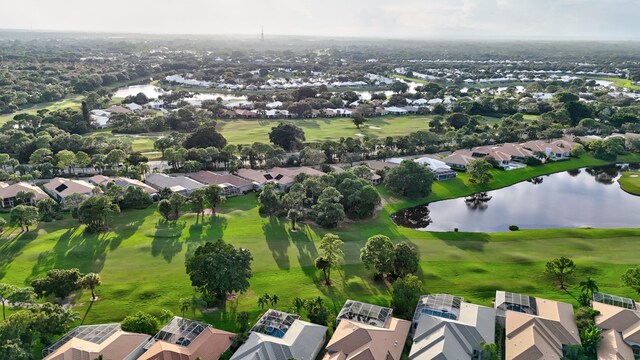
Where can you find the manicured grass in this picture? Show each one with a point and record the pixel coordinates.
(71, 101)
(630, 182)
(141, 261)
(142, 143)
(623, 83)
(246, 131)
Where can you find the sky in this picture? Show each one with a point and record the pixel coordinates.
(410, 19)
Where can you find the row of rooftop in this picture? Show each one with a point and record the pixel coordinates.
(443, 327)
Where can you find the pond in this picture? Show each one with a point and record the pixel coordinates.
(153, 92)
(589, 197)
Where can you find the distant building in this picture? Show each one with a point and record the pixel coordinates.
(231, 185)
(178, 184)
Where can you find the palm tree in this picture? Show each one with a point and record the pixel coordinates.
(197, 303)
(243, 320)
(185, 304)
(91, 281)
(274, 300)
(589, 286)
(298, 304)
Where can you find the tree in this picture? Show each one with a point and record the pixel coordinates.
(66, 159)
(242, 319)
(198, 201)
(165, 208)
(24, 198)
(322, 263)
(195, 303)
(312, 157)
(409, 179)
(479, 172)
(293, 201)
(379, 254)
(204, 137)
(457, 120)
(405, 296)
(217, 269)
(58, 282)
(406, 259)
(48, 209)
(269, 200)
(631, 278)
(589, 286)
(213, 197)
(329, 211)
(141, 322)
(176, 200)
(24, 216)
(331, 253)
(399, 87)
(287, 136)
(264, 300)
(590, 337)
(561, 269)
(316, 311)
(136, 198)
(358, 119)
(95, 211)
(91, 281)
(185, 304)
(14, 295)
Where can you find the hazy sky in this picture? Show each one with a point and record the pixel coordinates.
(586, 19)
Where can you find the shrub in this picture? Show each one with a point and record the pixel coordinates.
(514, 227)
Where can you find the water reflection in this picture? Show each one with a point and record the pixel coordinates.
(478, 201)
(578, 198)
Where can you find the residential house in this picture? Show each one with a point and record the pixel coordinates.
(459, 159)
(8, 193)
(101, 180)
(282, 177)
(61, 188)
(394, 110)
(100, 118)
(535, 328)
(89, 342)
(366, 331)
(117, 109)
(184, 339)
(178, 184)
(550, 150)
(441, 171)
(380, 111)
(231, 185)
(447, 327)
(279, 335)
(619, 318)
(247, 114)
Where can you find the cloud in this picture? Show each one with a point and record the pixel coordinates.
(370, 18)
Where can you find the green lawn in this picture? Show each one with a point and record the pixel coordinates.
(72, 101)
(141, 261)
(246, 131)
(142, 143)
(630, 182)
(623, 83)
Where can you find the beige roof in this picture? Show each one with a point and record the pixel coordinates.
(10, 191)
(460, 157)
(3, 185)
(262, 177)
(353, 340)
(539, 145)
(292, 172)
(614, 317)
(540, 336)
(118, 109)
(564, 143)
(612, 347)
(70, 187)
(515, 150)
(380, 165)
(126, 182)
(211, 178)
(115, 347)
(208, 345)
(100, 180)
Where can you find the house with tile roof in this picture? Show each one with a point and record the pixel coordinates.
(8, 193)
(619, 318)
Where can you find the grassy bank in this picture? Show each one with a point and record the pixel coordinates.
(630, 182)
(141, 261)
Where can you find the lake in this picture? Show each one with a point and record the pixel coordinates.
(589, 197)
(153, 92)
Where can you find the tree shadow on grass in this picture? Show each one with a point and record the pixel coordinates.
(124, 231)
(278, 241)
(166, 240)
(464, 240)
(74, 249)
(11, 244)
